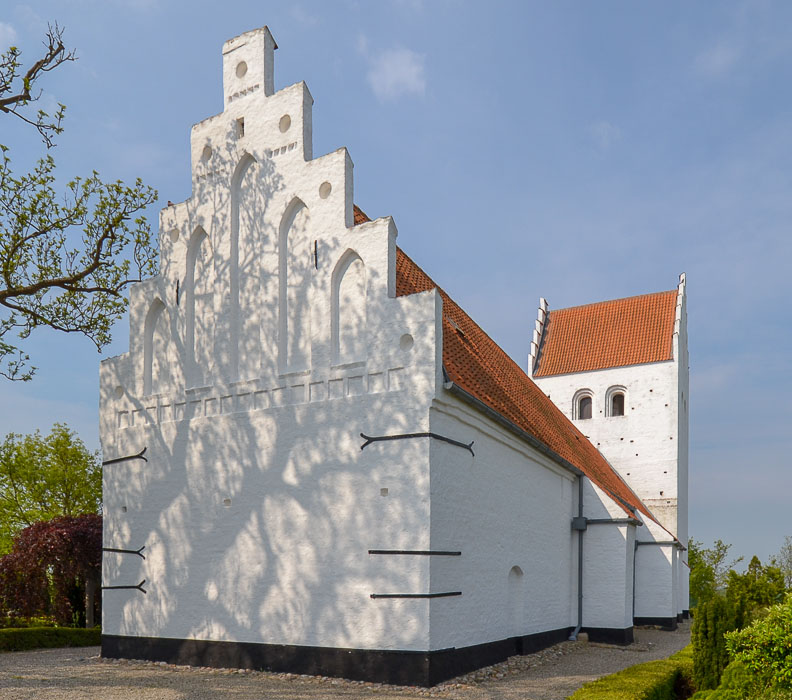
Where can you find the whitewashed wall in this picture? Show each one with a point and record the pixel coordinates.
(608, 551)
(683, 401)
(269, 341)
(257, 506)
(508, 506)
(649, 444)
(642, 445)
(657, 575)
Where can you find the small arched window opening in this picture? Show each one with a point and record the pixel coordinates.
(198, 288)
(582, 404)
(156, 336)
(348, 309)
(294, 274)
(615, 401)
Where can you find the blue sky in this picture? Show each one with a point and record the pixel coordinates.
(574, 150)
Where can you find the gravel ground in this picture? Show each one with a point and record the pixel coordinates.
(552, 674)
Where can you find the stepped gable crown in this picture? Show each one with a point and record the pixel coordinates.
(617, 333)
(477, 364)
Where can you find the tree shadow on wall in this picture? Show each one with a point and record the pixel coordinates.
(257, 505)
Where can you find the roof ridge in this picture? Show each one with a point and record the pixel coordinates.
(471, 342)
(481, 368)
(613, 301)
(614, 333)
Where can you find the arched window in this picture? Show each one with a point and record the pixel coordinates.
(294, 273)
(615, 401)
(230, 326)
(349, 309)
(156, 336)
(582, 404)
(199, 306)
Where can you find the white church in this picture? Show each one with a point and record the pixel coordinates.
(316, 462)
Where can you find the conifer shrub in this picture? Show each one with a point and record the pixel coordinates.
(714, 618)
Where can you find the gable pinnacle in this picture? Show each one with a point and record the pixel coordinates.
(248, 64)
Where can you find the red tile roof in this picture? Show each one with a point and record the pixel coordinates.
(475, 363)
(360, 215)
(614, 333)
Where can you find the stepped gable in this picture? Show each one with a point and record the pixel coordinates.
(477, 364)
(615, 333)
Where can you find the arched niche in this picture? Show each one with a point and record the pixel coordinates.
(294, 277)
(199, 312)
(156, 342)
(348, 309)
(246, 214)
(515, 602)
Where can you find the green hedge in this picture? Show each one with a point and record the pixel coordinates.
(15, 639)
(740, 683)
(6, 622)
(665, 679)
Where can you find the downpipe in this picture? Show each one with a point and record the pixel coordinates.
(573, 637)
(580, 524)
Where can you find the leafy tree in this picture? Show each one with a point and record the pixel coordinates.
(783, 560)
(54, 569)
(765, 646)
(65, 259)
(738, 682)
(709, 569)
(702, 575)
(42, 477)
(758, 587)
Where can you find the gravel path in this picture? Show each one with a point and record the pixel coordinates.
(552, 674)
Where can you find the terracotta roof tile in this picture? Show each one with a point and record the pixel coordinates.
(480, 367)
(614, 333)
(360, 215)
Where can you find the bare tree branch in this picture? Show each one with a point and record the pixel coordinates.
(65, 261)
(15, 88)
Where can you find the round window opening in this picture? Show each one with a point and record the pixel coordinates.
(325, 189)
(284, 123)
(406, 342)
(241, 69)
(206, 154)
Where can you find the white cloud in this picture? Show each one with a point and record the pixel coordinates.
(8, 36)
(604, 134)
(304, 17)
(30, 19)
(717, 60)
(397, 72)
